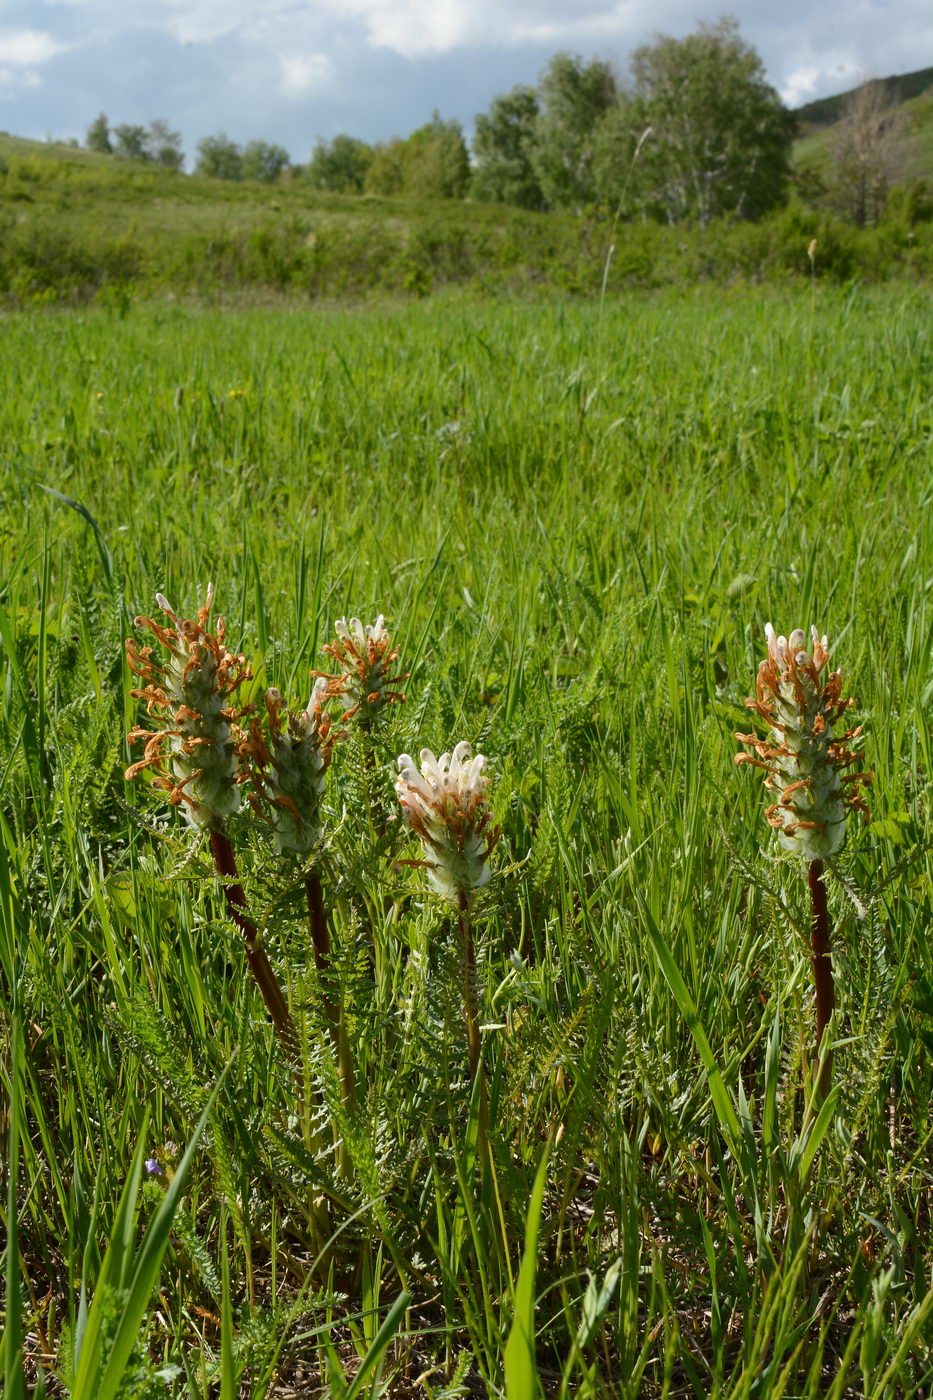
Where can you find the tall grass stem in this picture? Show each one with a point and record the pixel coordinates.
(820, 942)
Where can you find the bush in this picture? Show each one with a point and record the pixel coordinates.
(359, 246)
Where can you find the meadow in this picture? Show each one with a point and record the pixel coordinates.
(577, 520)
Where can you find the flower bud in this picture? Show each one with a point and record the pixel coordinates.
(289, 770)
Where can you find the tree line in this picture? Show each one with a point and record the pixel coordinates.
(694, 133)
(217, 156)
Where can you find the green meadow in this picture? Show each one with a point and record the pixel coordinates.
(577, 520)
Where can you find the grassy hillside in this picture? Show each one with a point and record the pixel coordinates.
(913, 95)
(898, 88)
(73, 222)
(76, 226)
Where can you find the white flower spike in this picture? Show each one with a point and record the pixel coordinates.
(804, 763)
(444, 804)
(354, 631)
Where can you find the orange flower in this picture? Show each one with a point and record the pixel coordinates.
(194, 755)
(289, 771)
(365, 656)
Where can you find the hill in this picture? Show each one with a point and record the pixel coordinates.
(911, 95)
(898, 89)
(74, 224)
(77, 226)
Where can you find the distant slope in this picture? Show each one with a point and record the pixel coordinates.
(911, 92)
(899, 88)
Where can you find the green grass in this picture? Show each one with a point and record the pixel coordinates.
(577, 523)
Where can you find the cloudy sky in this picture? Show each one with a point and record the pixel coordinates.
(292, 71)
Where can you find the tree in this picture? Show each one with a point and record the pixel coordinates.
(720, 135)
(131, 142)
(98, 136)
(435, 161)
(865, 149)
(220, 158)
(431, 163)
(618, 149)
(503, 147)
(262, 161)
(340, 165)
(385, 174)
(163, 145)
(574, 97)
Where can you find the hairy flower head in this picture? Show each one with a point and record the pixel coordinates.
(804, 762)
(193, 756)
(366, 659)
(444, 804)
(288, 767)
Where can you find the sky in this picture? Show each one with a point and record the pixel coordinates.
(297, 71)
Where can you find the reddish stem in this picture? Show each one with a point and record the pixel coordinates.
(320, 937)
(317, 919)
(471, 1014)
(822, 968)
(259, 964)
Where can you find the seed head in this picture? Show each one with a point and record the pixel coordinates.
(365, 656)
(193, 756)
(288, 768)
(444, 804)
(803, 762)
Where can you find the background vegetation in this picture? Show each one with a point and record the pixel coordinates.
(577, 520)
(75, 227)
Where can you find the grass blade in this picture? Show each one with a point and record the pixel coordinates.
(522, 1381)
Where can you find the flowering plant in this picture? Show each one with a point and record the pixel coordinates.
(193, 756)
(804, 762)
(288, 767)
(804, 765)
(444, 804)
(365, 656)
(196, 761)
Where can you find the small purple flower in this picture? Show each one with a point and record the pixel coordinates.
(153, 1168)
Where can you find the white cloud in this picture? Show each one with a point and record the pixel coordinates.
(305, 72)
(202, 21)
(888, 35)
(14, 80)
(798, 87)
(25, 48)
(819, 75)
(22, 51)
(580, 29)
(416, 27)
(186, 21)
